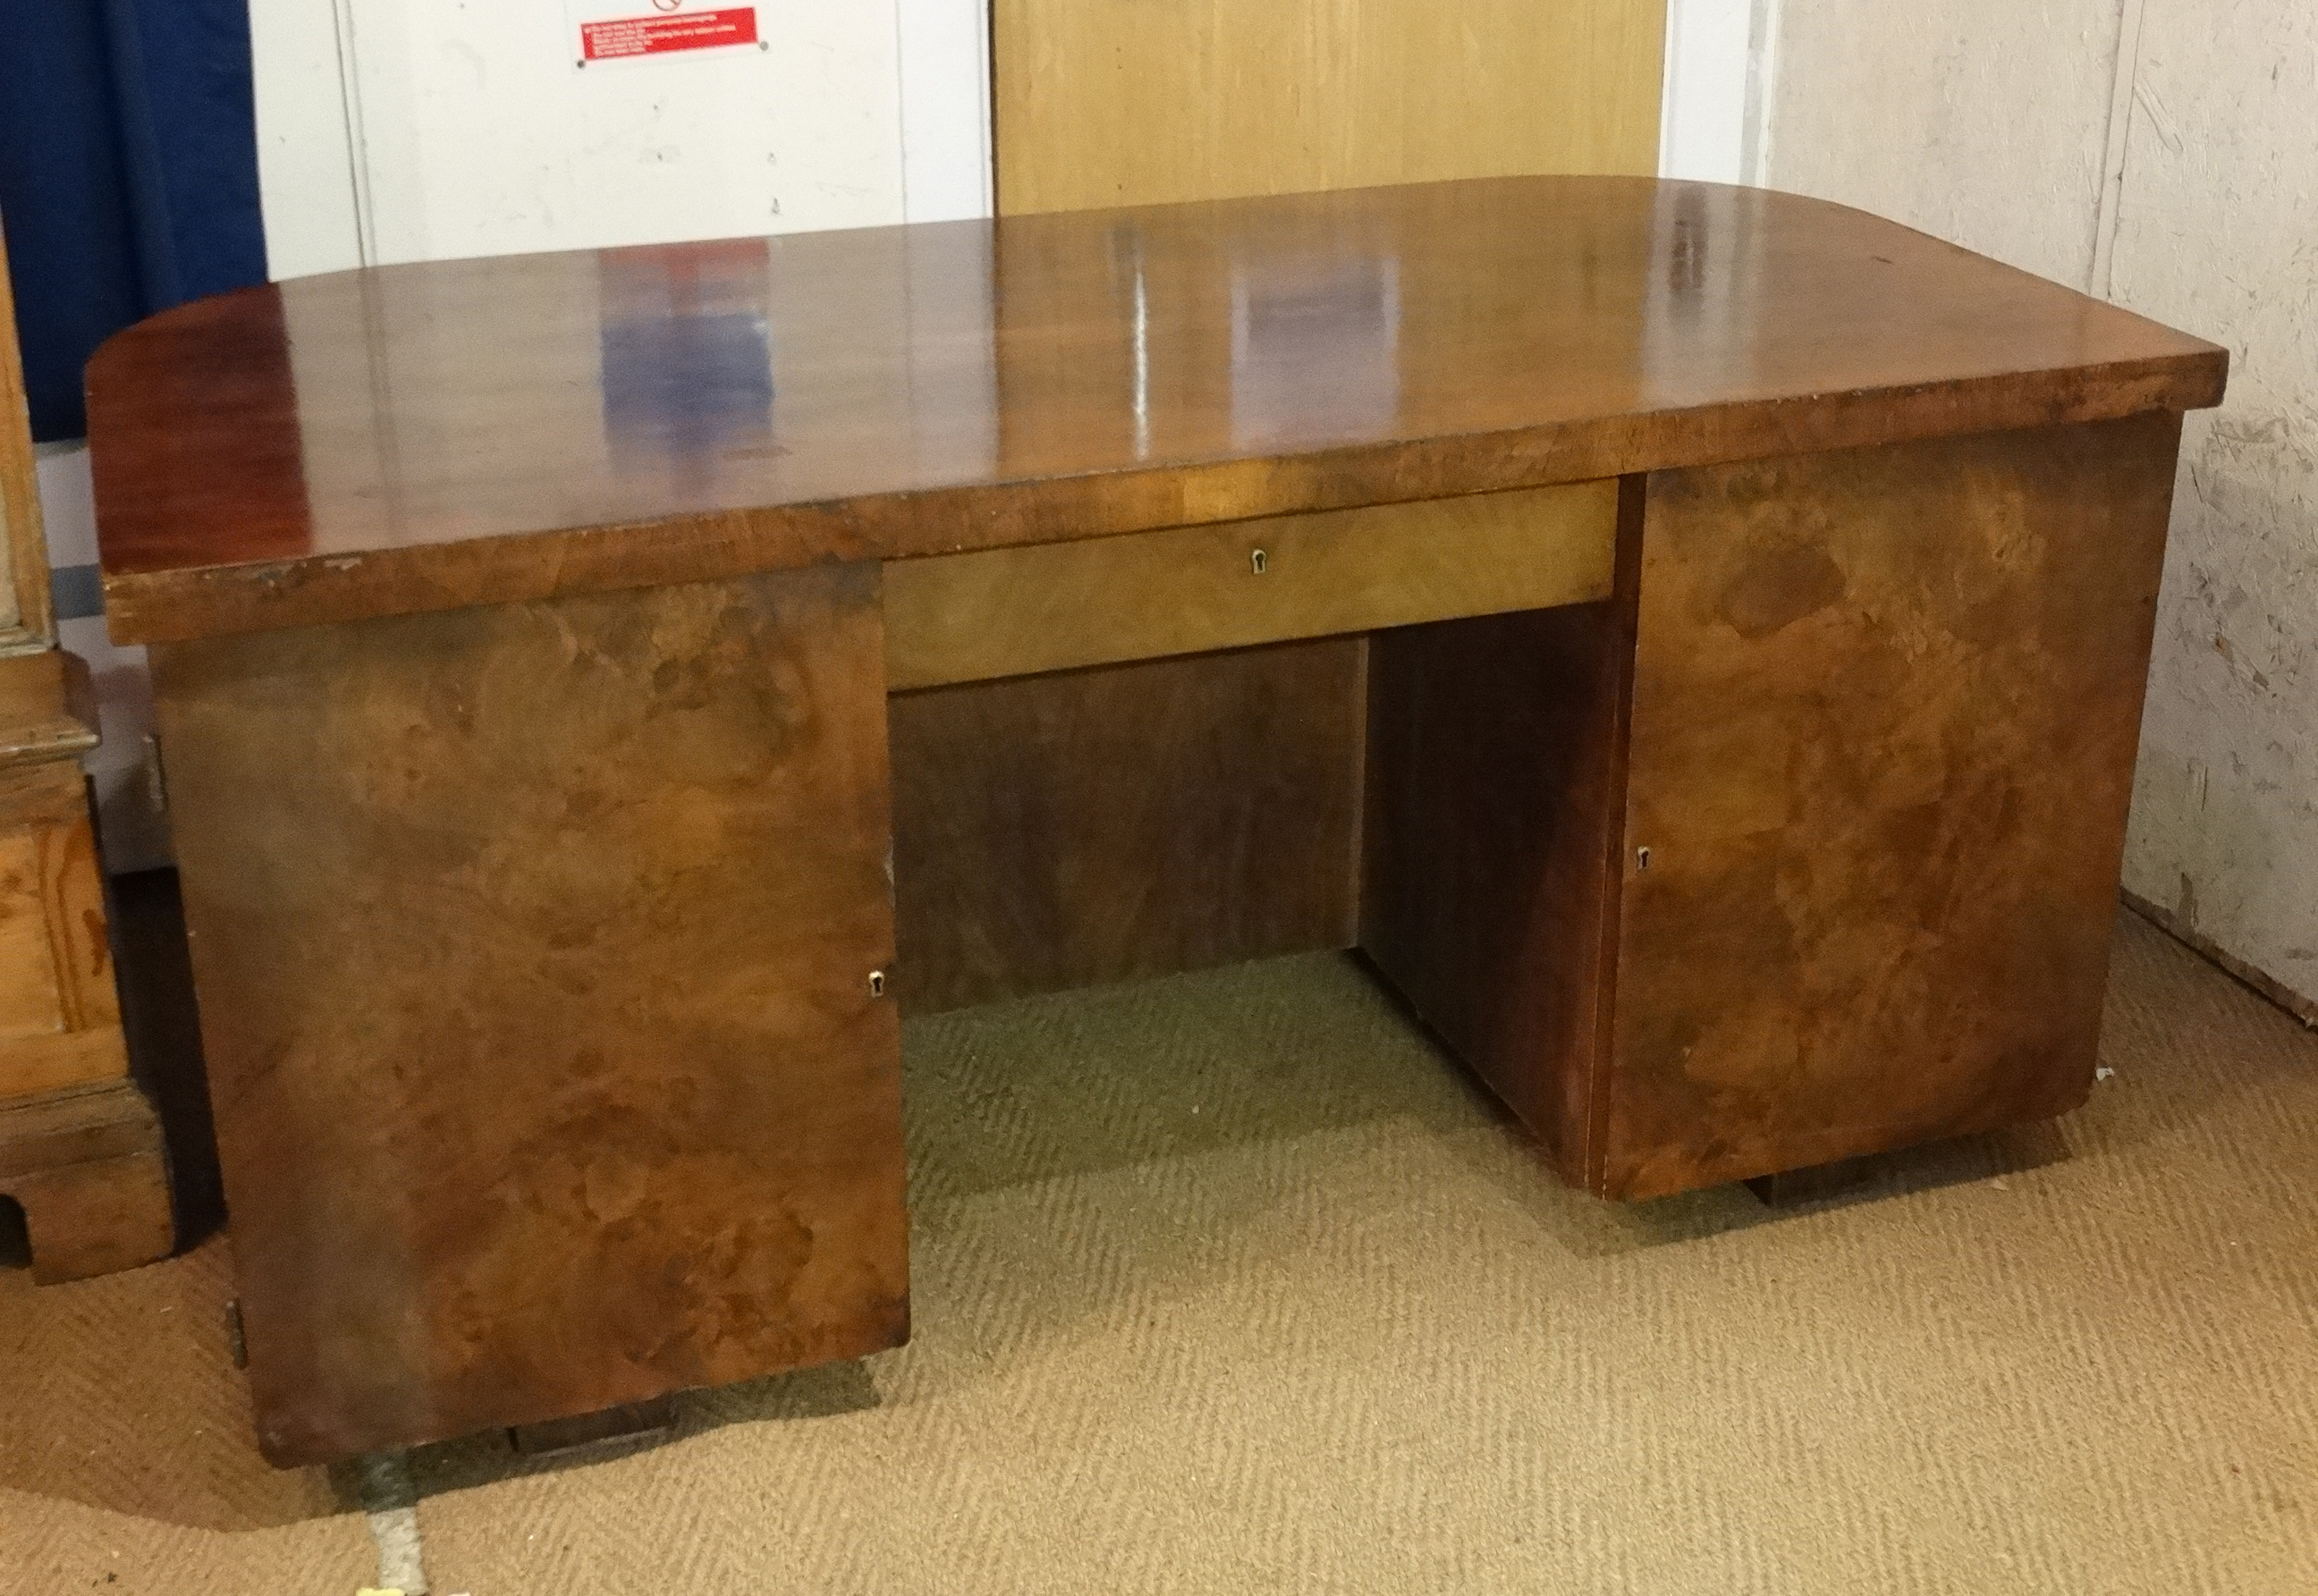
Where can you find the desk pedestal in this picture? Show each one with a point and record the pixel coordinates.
(534, 949)
(1804, 846)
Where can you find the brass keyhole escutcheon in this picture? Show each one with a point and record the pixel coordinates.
(1258, 560)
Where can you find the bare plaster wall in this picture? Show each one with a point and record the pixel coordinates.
(1981, 121)
(1994, 123)
(2217, 231)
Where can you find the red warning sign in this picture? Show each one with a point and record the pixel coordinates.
(619, 39)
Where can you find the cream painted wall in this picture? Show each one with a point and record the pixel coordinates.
(482, 136)
(2217, 231)
(1982, 122)
(426, 129)
(2161, 152)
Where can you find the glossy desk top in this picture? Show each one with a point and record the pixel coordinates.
(425, 436)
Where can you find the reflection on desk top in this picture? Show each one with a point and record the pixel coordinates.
(424, 436)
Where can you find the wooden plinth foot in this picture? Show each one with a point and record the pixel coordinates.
(87, 1166)
(1817, 1183)
(635, 1423)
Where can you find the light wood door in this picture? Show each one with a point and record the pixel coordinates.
(1144, 101)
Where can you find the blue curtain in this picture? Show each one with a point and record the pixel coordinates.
(127, 174)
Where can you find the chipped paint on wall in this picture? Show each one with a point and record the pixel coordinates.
(1989, 122)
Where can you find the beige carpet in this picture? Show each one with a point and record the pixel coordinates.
(1229, 1283)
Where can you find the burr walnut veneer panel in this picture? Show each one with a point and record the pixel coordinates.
(1885, 707)
(533, 947)
(1052, 831)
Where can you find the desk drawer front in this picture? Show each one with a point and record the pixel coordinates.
(1190, 589)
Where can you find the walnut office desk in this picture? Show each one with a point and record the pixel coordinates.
(1691, 639)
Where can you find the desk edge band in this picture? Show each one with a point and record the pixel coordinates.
(187, 603)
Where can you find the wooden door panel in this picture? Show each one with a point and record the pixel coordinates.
(533, 946)
(1885, 707)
